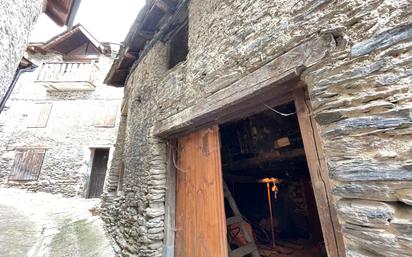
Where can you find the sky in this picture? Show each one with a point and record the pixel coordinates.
(106, 20)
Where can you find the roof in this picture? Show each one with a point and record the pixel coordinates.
(24, 63)
(62, 12)
(154, 22)
(68, 41)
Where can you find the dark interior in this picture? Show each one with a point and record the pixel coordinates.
(269, 145)
(179, 47)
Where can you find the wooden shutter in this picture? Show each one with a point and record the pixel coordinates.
(106, 116)
(27, 164)
(40, 115)
(200, 215)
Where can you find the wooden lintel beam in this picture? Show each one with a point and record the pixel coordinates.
(263, 81)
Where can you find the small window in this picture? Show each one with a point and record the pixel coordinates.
(40, 115)
(179, 47)
(106, 116)
(27, 164)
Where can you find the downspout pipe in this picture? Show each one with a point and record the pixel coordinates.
(16, 77)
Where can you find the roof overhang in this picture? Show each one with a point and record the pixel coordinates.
(154, 22)
(25, 63)
(62, 12)
(72, 39)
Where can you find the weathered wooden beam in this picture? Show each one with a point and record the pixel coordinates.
(264, 158)
(166, 6)
(131, 54)
(319, 176)
(265, 81)
(146, 34)
(170, 201)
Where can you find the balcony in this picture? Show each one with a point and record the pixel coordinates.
(68, 76)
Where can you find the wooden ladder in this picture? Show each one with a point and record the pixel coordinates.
(251, 247)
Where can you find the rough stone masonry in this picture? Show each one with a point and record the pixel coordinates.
(361, 95)
(17, 20)
(69, 136)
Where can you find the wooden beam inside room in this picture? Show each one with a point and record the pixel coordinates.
(264, 158)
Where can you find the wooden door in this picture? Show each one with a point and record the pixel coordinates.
(200, 215)
(98, 173)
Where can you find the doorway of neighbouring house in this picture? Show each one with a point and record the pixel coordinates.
(98, 172)
(265, 169)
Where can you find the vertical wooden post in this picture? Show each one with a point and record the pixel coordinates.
(319, 176)
(170, 201)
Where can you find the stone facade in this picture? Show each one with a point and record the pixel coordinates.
(360, 91)
(17, 20)
(70, 133)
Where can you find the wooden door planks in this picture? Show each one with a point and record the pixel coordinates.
(200, 216)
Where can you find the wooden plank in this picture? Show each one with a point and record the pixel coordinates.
(170, 201)
(282, 142)
(27, 164)
(147, 34)
(249, 88)
(40, 115)
(264, 158)
(166, 6)
(106, 115)
(319, 177)
(244, 250)
(111, 114)
(234, 220)
(245, 232)
(200, 216)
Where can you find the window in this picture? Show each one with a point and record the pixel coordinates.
(40, 115)
(179, 47)
(106, 116)
(27, 164)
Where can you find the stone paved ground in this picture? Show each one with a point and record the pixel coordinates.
(45, 225)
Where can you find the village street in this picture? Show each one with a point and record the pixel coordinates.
(44, 225)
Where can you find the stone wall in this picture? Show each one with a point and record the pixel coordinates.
(68, 136)
(361, 95)
(17, 20)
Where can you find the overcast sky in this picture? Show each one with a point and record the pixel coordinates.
(107, 20)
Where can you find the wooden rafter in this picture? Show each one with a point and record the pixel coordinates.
(264, 158)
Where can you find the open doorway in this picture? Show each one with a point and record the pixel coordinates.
(265, 169)
(100, 157)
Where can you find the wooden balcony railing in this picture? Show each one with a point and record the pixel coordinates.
(68, 76)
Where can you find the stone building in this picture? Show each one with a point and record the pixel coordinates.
(312, 98)
(17, 20)
(59, 126)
